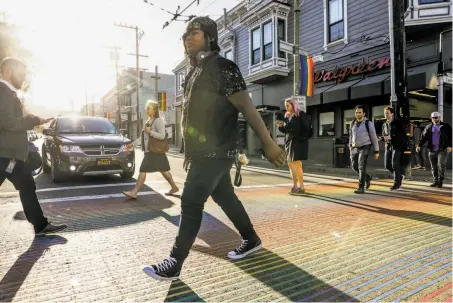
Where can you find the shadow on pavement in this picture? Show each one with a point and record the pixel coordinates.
(16, 275)
(408, 194)
(407, 214)
(177, 287)
(105, 213)
(266, 266)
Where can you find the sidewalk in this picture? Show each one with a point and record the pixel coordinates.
(313, 167)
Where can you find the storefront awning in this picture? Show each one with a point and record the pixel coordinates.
(368, 87)
(316, 99)
(338, 92)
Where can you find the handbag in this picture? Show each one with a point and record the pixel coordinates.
(157, 145)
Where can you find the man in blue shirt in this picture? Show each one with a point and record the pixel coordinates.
(438, 136)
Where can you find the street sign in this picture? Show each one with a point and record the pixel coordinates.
(302, 102)
(289, 48)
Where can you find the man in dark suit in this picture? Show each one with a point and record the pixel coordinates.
(395, 139)
(14, 144)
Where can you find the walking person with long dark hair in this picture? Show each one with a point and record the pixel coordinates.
(152, 161)
(296, 129)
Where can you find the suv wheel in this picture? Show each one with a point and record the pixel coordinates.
(45, 167)
(127, 175)
(55, 172)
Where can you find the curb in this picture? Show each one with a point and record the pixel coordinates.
(309, 169)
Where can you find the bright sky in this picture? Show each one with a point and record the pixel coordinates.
(70, 39)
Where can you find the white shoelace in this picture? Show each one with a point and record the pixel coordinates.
(166, 264)
(242, 246)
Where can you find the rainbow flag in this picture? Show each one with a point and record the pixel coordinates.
(306, 76)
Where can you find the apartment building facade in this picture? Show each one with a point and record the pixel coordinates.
(349, 40)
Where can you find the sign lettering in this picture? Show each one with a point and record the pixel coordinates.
(341, 74)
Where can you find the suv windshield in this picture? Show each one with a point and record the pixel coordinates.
(85, 126)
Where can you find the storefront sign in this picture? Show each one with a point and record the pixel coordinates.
(341, 74)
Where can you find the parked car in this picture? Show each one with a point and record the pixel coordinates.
(86, 146)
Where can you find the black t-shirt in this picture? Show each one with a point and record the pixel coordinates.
(209, 119)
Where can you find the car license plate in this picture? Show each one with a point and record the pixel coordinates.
(104, 162)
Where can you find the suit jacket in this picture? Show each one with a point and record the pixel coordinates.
(398, 135)
(14, 126)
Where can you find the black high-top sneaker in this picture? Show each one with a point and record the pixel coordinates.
(169, 269)
(247, 247)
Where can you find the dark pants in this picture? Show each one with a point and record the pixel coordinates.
(393, 160)
(359, 157)
(420, 158)
(438, 164)
(208, 177)
(23, 181)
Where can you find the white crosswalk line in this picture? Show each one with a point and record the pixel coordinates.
(94, 197)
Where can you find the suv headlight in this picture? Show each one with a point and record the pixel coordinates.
(70, 149)
(127, 148)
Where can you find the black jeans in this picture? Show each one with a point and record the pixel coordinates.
(359, 157)
(23, 181)
(393, 160)
(208, 177)
(438, 161)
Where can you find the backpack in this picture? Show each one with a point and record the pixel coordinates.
(367, 126)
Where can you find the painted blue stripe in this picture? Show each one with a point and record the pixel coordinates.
(418, 289)
(384, 295)
(303, 76)
(392, 272)
(371, 272)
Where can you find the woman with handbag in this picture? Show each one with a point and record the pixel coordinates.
(155, 145)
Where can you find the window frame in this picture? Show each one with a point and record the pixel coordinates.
(281, 54)
(435, 2)
(330, 25)
(327, 25)
(271, 44)
(252, 49)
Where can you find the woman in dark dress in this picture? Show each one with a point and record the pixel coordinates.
(152, 162)
(296, 129)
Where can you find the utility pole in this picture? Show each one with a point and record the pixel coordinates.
(138, 34)
(398, 71)
(296, 49)
(156, 85)
(398, 74)
(137, 59)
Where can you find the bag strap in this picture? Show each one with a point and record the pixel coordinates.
(238, 176)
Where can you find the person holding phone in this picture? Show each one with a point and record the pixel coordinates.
(152, 162)
(14, 146)
(296, 129)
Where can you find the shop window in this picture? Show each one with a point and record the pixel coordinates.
(348, 116)
(378, 118)
(327, 124)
